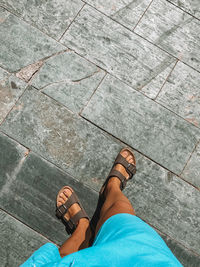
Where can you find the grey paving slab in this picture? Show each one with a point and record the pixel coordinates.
(51, 17)
(114, 48)
(181, 93)
(142, 124)
(192, 169)
(31, 197)
(153, 87)
(191, 6)
(186, 257)
(128, 12)
(60, 136)
(166, 202)
(69, 79)
(11, 155)
(173, 30)
(18, 241)
(22, 44)
(11, 88)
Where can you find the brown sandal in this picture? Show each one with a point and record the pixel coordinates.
(129, 167)
(70, 224)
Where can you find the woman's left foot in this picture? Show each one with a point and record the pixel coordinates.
(70, 210)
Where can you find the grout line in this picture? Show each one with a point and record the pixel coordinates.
(190, 157)
(50, 162)
(14, 105)
(71, 22)
(183, 10)
(141, 153)
(22, 222)
(173, 239)
(142, 15)
(166, 80)
(92, 94)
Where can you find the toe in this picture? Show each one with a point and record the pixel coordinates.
(129, 158)
(124, 153)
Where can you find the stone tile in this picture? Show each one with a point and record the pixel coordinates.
(126, 12)
(51, 17)
(11, 156)
(11, 88)
(31, 197)
(60, 136)
(69, 79)
(142, 124)
(114, 48)
(181, 93)
(22, 44)
(191, 172)
(166, 202)
(190, 6)
(24, 241)
(152, 88)
(186, 257)
(173, 30)
(3, 74)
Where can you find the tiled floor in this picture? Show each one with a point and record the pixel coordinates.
(79, 80)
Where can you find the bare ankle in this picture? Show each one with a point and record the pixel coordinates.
(113, 184)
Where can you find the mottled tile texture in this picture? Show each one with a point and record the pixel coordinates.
(24, 241)
(181, 93)
(22, 44)
(11, 89)
(69, 79)
(52, 17)
(128, 12)
(192, 170)
(67, 140)
(116, 49)
(173, 30)
(142, 124)
(190, 6)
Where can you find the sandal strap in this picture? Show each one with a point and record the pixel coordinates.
(130, 168)
(122, 178)
(79, 215)
(62, 210)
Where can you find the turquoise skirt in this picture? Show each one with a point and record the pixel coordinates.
(123, 240)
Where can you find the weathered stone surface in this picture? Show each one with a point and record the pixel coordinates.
(166, 202)
(181, 93)
(126, 12)
(22, 44)
(28, 72)
(11, 156)
(69, 79)
(62, 137)
(51, 16)
(3, 74)
(152, 88)
(173, 30)
(31, 196)
(191, 6)
(116, 49)
(191, 172)
(11, 88)
(142, 124)
(18, 241)
(186, 257)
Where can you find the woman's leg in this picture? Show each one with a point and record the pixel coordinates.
(81, 236)
(115, 201)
